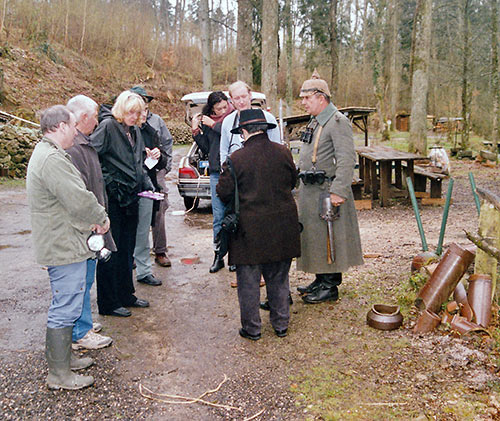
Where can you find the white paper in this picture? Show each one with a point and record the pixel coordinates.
(150, 162)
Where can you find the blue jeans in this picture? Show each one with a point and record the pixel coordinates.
(142, 247)
(84, 323)
(68, 289)
(218, 207)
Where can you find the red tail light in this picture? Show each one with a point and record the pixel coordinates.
(187, 172)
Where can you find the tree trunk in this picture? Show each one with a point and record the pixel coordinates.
(379, 80)
(494, 75)
(66, 24)
(270, 51)
(465, 76)
(334, 50)
(84, 22)
(394, 73)
(165, 21)
(2, 21)
(244, 41)
(420, 77)
(287, 12)
(206, 46)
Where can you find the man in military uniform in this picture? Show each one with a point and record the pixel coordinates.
(326, 163)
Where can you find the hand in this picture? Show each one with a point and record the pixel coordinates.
(336, 200)
(102, 229)
(153, 153)
(207, 121)
(195, 122)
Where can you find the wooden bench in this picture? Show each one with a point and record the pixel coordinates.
(357, 186)
(421, 176)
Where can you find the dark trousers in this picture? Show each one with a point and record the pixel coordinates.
(330, 280)
(276, 277)
(159, 234)
(115, 285)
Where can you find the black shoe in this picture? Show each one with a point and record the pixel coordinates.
(218, 263)
(232, 268)
(150, 280)
(281, 333)
(321, 295)
(247, 335)
(120, 312)
(140, 303)
(311, 287)
(264, 305)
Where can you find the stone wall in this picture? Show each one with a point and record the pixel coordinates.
(16, 145)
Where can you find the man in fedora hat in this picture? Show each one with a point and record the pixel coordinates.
(267, 237)
(326, 164)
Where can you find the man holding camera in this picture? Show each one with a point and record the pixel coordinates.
(63, 214)
(326, 164)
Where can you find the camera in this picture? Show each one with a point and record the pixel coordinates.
(95, 242)
(313, 176)
(230, 223)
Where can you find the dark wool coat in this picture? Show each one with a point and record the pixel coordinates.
(269, 226)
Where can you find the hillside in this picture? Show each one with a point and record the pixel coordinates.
(32, 79)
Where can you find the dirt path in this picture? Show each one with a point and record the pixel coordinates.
(331, 366)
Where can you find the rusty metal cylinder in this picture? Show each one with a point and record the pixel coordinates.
(444, 279)
(427, 322)
(479, 296)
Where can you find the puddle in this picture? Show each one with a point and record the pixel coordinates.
(198, 222)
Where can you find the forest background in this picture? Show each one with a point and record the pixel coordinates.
(416, 56)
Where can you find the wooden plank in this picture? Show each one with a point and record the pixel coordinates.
(385, 182)
(373, 179)
(434, 201)
(421, 194)
(364, 204)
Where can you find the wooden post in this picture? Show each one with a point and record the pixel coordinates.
(489, 228)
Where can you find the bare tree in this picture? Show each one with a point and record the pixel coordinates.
(287, 18)
(84, 24)
(270, 51)
(244, 40)
(420, 77)
(394, 73)
(2, 21)
(334, 51)
(206, 46)
(494, 72)
(465, 97)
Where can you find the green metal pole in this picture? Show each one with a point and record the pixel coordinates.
(417, 213)
(439, 248)
(476, 198)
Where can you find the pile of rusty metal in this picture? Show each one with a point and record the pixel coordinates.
(471, 308)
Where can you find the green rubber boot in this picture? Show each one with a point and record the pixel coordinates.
(58, 353)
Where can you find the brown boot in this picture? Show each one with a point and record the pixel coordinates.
(163, 260)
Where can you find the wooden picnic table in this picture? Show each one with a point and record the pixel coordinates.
(385, 159)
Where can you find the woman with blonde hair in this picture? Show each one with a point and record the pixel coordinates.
(120, 147)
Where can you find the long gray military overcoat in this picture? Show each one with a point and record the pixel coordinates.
(337, 157)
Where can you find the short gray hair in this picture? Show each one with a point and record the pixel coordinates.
(53, 116)
(80, 105)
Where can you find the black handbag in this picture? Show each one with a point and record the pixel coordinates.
(231, 219)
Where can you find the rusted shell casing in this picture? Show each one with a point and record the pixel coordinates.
(426, 322)
(462, 325)
(444, 279)
(460, 296)
(480, 298)
(384, 317)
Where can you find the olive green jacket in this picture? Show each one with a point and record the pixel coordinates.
(335, 156)
(62, 209)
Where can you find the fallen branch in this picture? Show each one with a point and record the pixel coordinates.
(185, 399)
(254, 416)
(482, 243)
(489, 197)
(4, 114)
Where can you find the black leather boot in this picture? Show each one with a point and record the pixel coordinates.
(218, 263)
(327, 290)
(311, 287)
